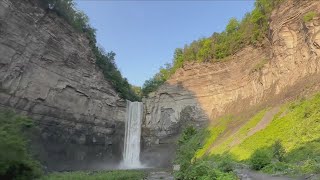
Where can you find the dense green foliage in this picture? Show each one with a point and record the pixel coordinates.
(99, 175)
(188, 144)
(16, 162)
(260, 158)
(105, 61)
(252, 29)
(304, 160)
(218, 167)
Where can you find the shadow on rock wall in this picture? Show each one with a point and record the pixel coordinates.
(255, 77)
(167, 112)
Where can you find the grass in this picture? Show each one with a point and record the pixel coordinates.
(99, 175)
(296, 128)
(239, 135)
(300, 125)
(214, 133)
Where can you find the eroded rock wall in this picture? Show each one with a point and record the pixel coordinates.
(285, 66)
(48, 72)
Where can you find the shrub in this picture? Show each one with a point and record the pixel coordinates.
(279, 167)
(278, 151)
(198, 169)
(205, 170)
(309, 16)
(224, 162)
(310, 166)
(260, 158)
(188, 143)
(16, 162)
(187, 135)
(309, 150)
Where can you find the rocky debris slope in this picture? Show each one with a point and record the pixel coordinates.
(47, 71)
(285, 66)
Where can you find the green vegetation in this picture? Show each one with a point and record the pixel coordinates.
(214, 132)
(105, 61)
(251, 30)
(278, 151)
(292, 138)
(239, 135)
(260, 159)
(16, 162)
(309, 16)
(99, 175)
(191, 168)
(289, 144)
(188, 144)
(298, 126)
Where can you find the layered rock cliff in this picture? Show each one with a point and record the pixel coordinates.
(286, 65)
(48, 72)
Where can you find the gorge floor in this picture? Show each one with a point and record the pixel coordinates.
(157, 174)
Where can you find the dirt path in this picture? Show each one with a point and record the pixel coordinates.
(265, 121)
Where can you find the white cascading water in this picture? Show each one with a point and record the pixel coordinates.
(131, 153)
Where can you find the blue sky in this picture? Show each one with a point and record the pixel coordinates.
(144, 34)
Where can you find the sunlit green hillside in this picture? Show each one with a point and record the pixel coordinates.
(277, 140)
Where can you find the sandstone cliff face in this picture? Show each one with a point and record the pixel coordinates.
(286, 65)
(47, 71)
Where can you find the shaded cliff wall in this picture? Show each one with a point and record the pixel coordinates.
(285, 66)
(48, 72)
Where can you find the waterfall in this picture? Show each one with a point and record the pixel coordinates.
(131, 153)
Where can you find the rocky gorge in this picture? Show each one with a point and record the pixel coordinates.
(285, 66)
(48, 72)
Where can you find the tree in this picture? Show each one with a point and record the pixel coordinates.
(278, 151)
(178, 59)
(16, 162)
(232, 26)
(205, 51)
